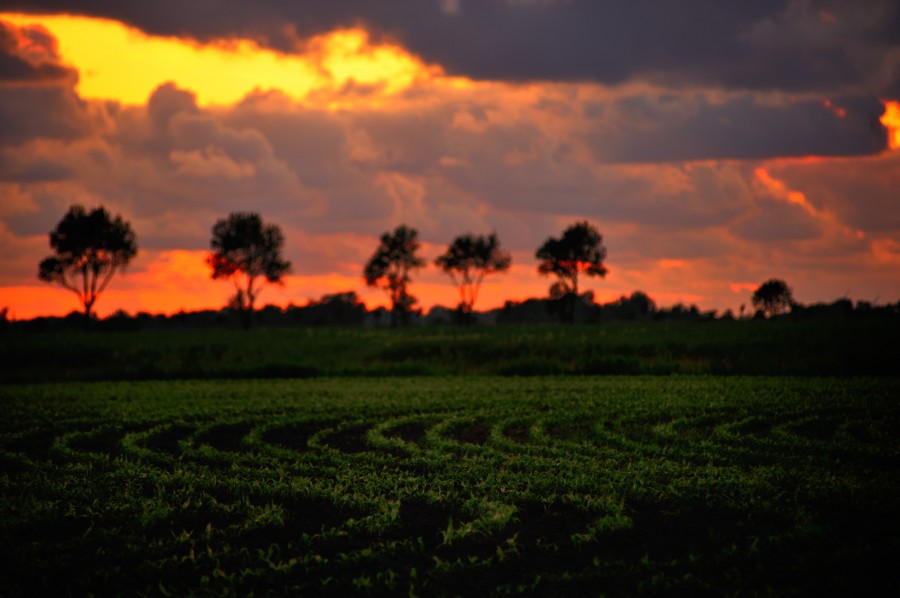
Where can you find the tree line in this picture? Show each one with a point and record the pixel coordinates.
(91, 247)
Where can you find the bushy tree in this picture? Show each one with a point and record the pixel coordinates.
(773, 297)
(637, 306)
(343, 309)
(248, 252)
(90, 248)
(579, 251)
(468, 260)
(390, 266)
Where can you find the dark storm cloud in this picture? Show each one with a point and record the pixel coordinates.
(823, 45)
(647, 128)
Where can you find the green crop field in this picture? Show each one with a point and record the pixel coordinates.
(469, 485)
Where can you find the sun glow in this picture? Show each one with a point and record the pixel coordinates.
(116, 62)
(891, 121)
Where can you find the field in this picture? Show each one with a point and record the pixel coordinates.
(715, 458)
(479, 485)
(839, 347)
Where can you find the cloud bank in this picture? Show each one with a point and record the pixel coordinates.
(825, 46)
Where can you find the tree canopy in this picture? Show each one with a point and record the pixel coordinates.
(579, 250)
(246, 250)
(468, 260)
(773, 297)
(390, 266)
(90, 248)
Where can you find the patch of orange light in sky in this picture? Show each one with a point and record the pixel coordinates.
(891, 121)
(886, 251)
(121, 63)
(780, 190)
(670, 263)
(743, 287)
(153, 291)
(836, 110)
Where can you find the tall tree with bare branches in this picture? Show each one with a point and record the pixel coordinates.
(579, 251)
(468, 260)
(390, 267)
(90, 248)
(248, 252)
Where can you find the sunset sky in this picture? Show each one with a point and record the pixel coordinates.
(714, 144)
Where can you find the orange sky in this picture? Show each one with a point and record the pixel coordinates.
(891, 120)
(410, 144)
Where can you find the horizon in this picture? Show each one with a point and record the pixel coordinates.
(705, 173)
(749, 312)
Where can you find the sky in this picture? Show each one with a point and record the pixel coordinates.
(715, 145)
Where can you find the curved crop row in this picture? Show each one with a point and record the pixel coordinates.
(455, 486)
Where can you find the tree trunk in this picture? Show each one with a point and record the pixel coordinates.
(88, 314)
(573, 300)
(246, 317)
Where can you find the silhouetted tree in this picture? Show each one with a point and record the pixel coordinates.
(90, 248)
(389, 268)
(335, 309)
(637, 306)
(579, 250)
(468, 260)
(246, 250)
(641, 303)
(773, 297)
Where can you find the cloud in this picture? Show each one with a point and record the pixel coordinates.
(19, 264)
(167, 101)
(670, 126)
(51, 112)
(825, 46)
(14, 166)
(862, 193)
(37, 95)
(209, 162)
(461, 163)
(28, 56)
(774, 220)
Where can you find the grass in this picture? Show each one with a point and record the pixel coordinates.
(471, 485)
(806, 348)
